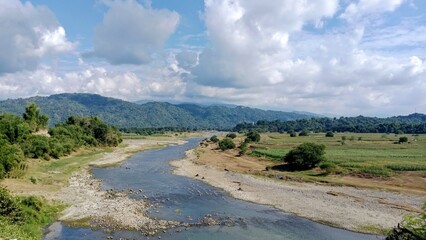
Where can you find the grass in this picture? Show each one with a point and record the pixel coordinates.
(370, 154)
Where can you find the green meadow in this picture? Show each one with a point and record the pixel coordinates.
(368, 154)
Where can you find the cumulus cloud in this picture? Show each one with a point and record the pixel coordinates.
(123, 84)
(362, 8)
(250, 39)
(130, 33)
(27, 33)
(269, 54)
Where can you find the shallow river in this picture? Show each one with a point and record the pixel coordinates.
(188, 200)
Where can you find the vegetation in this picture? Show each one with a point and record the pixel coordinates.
(214, 139)
(412, 228)
(18, 139)
(305, 156)
(252, 136)
(329, 134)
(243, 148)
(124, 114)
(231, 135)
(304, 133)
(24, 217)
(226, 144)
(369, 155)
(413, 124)
(403, 139)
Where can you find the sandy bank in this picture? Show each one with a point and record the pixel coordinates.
(345, 207)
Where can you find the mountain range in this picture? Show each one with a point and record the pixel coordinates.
(125, 114)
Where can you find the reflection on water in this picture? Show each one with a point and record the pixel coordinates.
(188, 200)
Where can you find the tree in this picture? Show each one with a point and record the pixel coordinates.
(252, 137)
(403, 139)
(305, 156)
(243, 148)
(34, 118)
(329, 134)
(304, 133)
(214, 139)
(226, 144)
(231, 135)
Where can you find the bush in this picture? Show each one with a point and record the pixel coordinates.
(226, 144)
(304, 133)
(243, 148)
(328, 167)
(403, 140)
(214, 139)
(252, 137)
(305, 156)
(293, 134)
(413, 227)
(329, 134)
(231, 135)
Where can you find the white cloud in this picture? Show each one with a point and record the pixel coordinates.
(27, 34)
(250, 39)
(130, 33)
(362, 8)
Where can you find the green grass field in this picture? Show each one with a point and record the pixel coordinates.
(369, 154)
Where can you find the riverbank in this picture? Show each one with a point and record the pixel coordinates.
(362, 210)
(69, 181)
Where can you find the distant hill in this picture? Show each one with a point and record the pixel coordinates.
(148, 115)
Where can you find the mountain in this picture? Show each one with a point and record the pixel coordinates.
(151, 114)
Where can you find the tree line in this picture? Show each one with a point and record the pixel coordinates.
(23, 137)
(412, 124)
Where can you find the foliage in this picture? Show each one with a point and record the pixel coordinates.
(413, 124)
(214, 139)
(34, 118)
(305, 156)
(11, 157)
(329, 134)
(304, 133)
(252, 136)
(328, 167)
(226, 144)
(23, 217)
(231, 135)
(412, 228)
(403, 139)
(243, 148)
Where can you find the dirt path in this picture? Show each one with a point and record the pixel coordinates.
(355, 209)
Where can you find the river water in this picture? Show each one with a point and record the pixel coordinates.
(188, 200)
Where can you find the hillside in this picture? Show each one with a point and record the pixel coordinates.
(152, 114)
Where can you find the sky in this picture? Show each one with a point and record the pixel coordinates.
(339, 57)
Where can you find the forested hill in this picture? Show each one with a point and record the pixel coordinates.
(413, 123)
(124, 114)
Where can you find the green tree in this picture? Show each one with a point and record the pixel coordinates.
(34, 118)
(11, 157)
(403, 140)
(214, 139)
(252, 136)
(13, 128)
(329, 134)
(304, 133)
(243, 148)
(231, 135)
(305, 156)
(226, 144)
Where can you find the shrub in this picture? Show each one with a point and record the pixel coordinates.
(252, 137)
(304, 133)
(231, 135)
(413, 227)
(329, 134)
(305, 156)
(226, 144)
(293, 134)
(403, 140)
(214, 139)
(243, 148)
(328, 167)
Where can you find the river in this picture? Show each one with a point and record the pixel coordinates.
(188, 200)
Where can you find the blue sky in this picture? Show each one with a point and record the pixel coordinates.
(344, 57)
